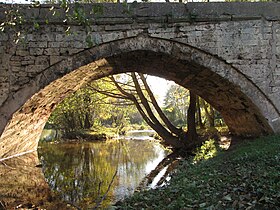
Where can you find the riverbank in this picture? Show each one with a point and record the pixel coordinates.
(99, 133)
(244, 177)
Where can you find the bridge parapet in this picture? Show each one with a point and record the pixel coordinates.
(110, 13)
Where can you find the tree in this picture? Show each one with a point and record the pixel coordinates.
(134, 88)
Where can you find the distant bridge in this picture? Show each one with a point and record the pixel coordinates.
(228, 53)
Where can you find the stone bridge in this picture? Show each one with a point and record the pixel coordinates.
(228, 53)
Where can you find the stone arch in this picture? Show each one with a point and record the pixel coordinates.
(241, 103)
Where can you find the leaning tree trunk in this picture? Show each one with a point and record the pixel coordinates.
(170, 126)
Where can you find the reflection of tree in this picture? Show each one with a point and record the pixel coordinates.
(82, 172)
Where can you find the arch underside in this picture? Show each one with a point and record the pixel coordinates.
(203, 73)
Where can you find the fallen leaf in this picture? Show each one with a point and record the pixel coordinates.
(227, 197)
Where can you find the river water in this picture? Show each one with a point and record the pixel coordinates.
(85, 173)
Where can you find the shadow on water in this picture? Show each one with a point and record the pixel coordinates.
(82, 173)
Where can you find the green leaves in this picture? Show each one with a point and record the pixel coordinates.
(36, 25)
(206, 151)
(89, 41)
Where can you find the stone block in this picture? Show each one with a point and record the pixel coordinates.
(107, 37)
(118, 27)
(40, 44)
(80, 37)
(42, 60)
(17, 69)
(22, 52)
(164, 35)
(47, 37)
(27, 62)
(23, 80)
(132, 33)
(15, 63)
(59, 37)
(16, 58)
(74, 51)
(54, 44)
(67, 44)
(79, 44)
(42, 34)
(51, 51)
(55, 59)
(161, 30)
(35, 68)
(69, 51)
(36, 51)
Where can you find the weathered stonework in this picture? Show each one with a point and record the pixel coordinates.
(228, 53)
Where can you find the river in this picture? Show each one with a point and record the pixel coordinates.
(85, 173)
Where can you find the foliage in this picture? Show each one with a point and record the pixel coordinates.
(89, 109)
(176, 105)
(206, 151)
(246, 177)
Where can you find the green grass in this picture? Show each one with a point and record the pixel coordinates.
(246, 177)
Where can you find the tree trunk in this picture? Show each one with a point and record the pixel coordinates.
(212, 117)
(87, 123)
(191, 133)
(166, 121)
(209, 116)
(200, 123)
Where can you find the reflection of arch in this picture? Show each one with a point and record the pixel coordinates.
(241, 103)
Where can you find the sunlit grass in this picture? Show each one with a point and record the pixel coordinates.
(207, 150)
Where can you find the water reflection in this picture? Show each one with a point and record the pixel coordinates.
(82, 172)
(23, 185)
(140, 134)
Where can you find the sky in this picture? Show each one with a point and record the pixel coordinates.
(159, 86)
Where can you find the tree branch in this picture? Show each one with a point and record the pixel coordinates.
(166, 121)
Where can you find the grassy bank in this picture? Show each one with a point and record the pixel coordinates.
(245, 177)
